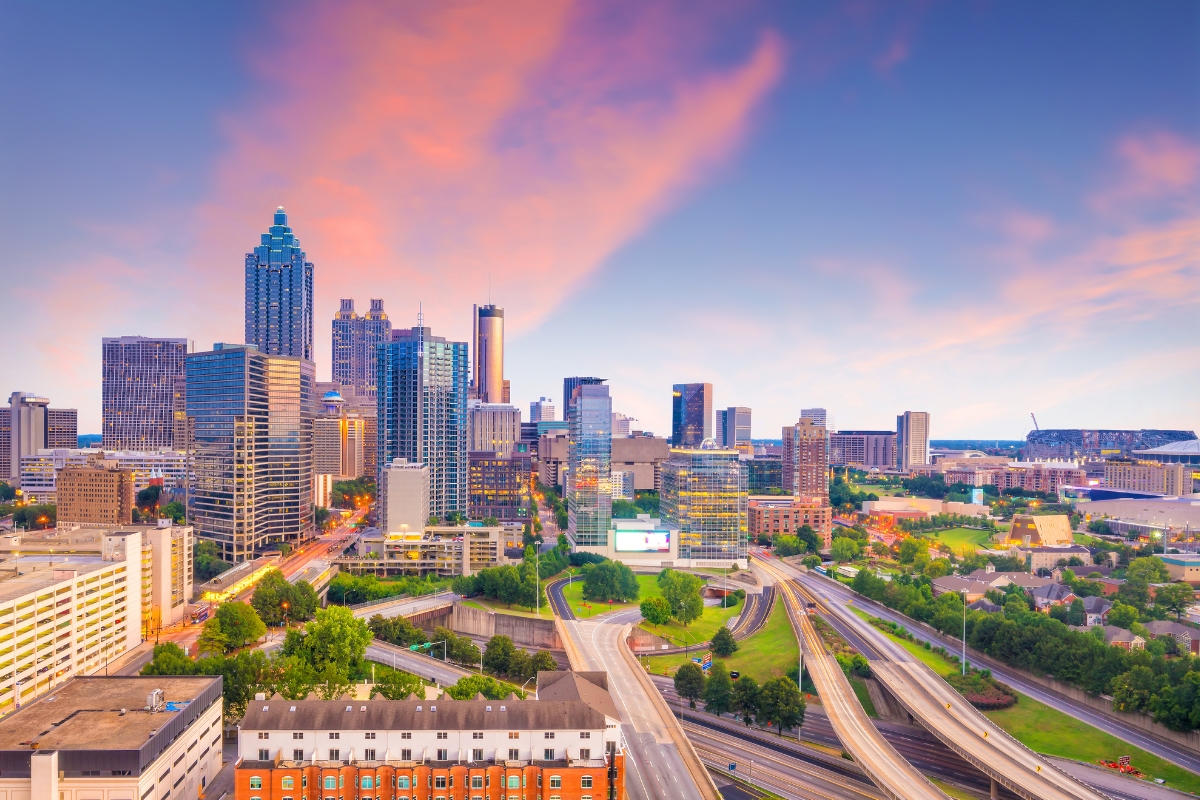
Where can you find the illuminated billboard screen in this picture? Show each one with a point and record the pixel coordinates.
(643, 541)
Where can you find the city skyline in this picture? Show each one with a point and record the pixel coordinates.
(1010, 213)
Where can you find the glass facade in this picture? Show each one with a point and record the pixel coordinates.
(422, 412)
(704, 496)
(691, 414)
(279, 294)
(137, 389)
(589, 465)
(488, 377)
(356, 343)
(252, 422)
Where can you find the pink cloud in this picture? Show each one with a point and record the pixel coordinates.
(1151, 168)
(422, 153)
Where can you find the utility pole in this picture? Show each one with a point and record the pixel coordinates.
(964, 636)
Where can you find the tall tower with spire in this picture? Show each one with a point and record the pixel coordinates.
(279, 294)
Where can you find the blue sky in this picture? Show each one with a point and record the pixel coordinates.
(975, 209)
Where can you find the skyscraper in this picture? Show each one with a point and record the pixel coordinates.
(589, 465)
(569, 385)
(355, 343)
(733, 427)
(279, 294)
(691, 414)
(819, 416)
(704, 496)
(338, 439)
(805, 459)
(252, 428)
(28, 423)
(137, 391)
(542, 409)
(622, 425)
(912, 439)
(493, 427)
(422, 412)
(487, 376)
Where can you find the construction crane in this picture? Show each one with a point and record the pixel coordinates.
(1035, 425)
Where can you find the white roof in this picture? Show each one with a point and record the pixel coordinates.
(1186, 447)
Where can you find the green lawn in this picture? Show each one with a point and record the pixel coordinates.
(864, 697)
(500, 608)
(1051, 732)
(573, 594)
(700, 630)
(957, 538)
(765, 655)
(952, 791)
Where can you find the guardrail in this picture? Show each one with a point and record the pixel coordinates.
(403, 598)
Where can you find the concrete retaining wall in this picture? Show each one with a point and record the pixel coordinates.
(526, 631)
(641, 641)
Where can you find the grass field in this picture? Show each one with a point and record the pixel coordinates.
(501, 608)
(951, 791)
(700, 630)
(864, 697)
(1051, 732)
(765, 655)
(956, 538)
(573, 594)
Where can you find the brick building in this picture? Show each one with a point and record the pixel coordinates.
(770, 514)
(99, 493)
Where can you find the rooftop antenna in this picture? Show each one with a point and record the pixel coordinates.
(420, 315)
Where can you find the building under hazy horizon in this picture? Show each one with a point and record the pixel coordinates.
(569, 385)
(355, 343)
(912, 439)
(733, 427)
(29, 426)
(805, 459)
(589, 466)
(704, 497)
(138, 378)
(691, 414)
(487, 369)
(279, 294)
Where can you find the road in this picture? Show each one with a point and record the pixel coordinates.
(945, 713)
(1174, 754)
(405, 606)
(427, 667)
(656, 769)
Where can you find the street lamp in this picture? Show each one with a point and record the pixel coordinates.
(964, 636)
(285, 610)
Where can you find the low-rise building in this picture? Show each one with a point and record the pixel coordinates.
(120, 738)
(644, 457)
(983, 604)
(1183, 567)
(98, 494)
(1147, 476)
(1126, 640)
(773, 514)
(998, 580)
(927, 506)
(1050, 595)
(971, 590)
(1097, 609)
(39, 471)
(1046, 530)
(566, 743)
(1047, 558)
(1186, 638)
(444, 550)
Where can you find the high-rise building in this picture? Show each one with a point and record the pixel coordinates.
(1147, 476)
(589, 465)
(493, 427)
(569, 385)
(97, 494)
(704, 496)
(29, 426)
(764, 473)
(912, 439)
(403, 497)
(356, 341)
(819, 416)
(733, 427)
(62, 427)
(487, 374)
(252, 421)
(364, 408)
(691, 414)
(863, 449)
(542, 409)
(339, 436)
(279, 294)
(805, 464)
(499, 485)
(622, 426)
(422, 412)
(180, 432)
(137, 391)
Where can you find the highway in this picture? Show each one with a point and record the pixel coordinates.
(878, 759)
(946, 714)
(423, 666)
(405, 606)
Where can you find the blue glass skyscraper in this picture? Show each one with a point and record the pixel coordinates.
(422, 412)
(589, 465)
(279, 294)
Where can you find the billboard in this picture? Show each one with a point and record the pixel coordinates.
(643, 541)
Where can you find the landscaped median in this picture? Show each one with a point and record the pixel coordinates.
(572, 593)
(770, 653)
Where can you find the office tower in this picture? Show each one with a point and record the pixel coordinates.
(622, 485)
(363, 407)
(691, 414)
(279, 294)
(422, 412)
(252, 420)
(912, 439)
(338, 439)
(179, 418)
(819, 416)
(704, 497)
(96, 494)
(589, 465)
(805, 464)
(622, 426)
(487, 374)
(355, 342)
(137, 391)
(863, 449)
(542, 409)
(28, 423)
(494, 427)
(498, 485)
(62, 427)
(764, 473)
(733, 427)
(569, 385)
(404, 501)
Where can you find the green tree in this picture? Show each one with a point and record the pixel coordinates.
(812, 562)
(471, 685)
(843, 549)
(786, 545)
(1174, 597)
(335, 636)
(1122, 615)
(910, 548)
(781, 704)
(723, 643)
(938, 568)
(396, 630)
(807, 536)
(656, 610)
(1134, 690)
(718, 690)
(206, 561)
(297, 678)
(609, 580)
(213, 640)
(681, 590)
(689, 682)
(498, 654)
(7, 492)
(169, 659)
(277, 600)
(240, 624)
(543, 661)
(332, 682)
(1077, 615)
(1149, 569)
(745, 698)
(395, 684)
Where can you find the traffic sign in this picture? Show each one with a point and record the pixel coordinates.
(707, 663)
(1123, 761)
(732, 767)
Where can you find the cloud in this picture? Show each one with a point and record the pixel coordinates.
(424, 155)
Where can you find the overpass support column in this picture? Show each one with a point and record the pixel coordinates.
(995, 792)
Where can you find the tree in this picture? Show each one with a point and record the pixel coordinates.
(396, 630)
(781, 704)
(1174, 597)
(723, 643)
(718, 690)
(843, 549)
(681, 590)
(467, 687)
(610, 580)
(1134, 690)
(213, 640)
(879, 549)
(689, 682)
(1077, 615)
(397, 685)
(1122, 615)
(809, 538)
(787, 545)
(656, 611)
(910, 548)
(745, 698)
(297, 678)
(543, 661)
(335, 637)
(277, 600)
(169, 659)
(938, 568)
(240, 624)
(498, 654)
(206, 561)
(812, 562)
(1149, 569)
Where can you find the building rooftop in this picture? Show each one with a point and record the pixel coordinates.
(26, 574)
(1189, 447)
(1182, 559)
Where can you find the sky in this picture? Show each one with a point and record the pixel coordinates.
(981, 210)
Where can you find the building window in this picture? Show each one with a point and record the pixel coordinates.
(330, 781)
(335, 736)
(335, 755)
(370, 735)
(548, 735)
(439, 782)
(585, 734)
(297, 755)
(287, 783)
(406, 735)
(556, 781)
(514, 754)
(264, 755)
(477, 735)
(476, 781)
(443, 754)
(514, 781)
(369, 754)
(585, 753)
(514, 735)
(264, 735)
(255, 782)
(405, 755)
(443, 735)
(585, 782)
(303, 781)
(477, 754)
(548, 754)
(297, 735)
(368, 782)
